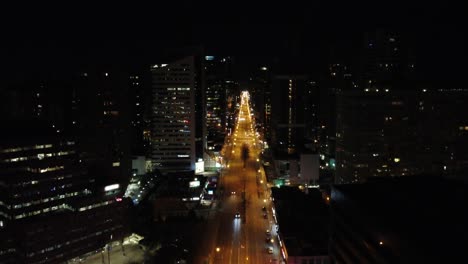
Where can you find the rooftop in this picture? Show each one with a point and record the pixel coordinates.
(303, 220)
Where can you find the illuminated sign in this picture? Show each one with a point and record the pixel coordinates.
(194, 184)
(210, 192)
(209, 58)
(111, 187)
(199, 166)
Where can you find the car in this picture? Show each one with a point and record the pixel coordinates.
(265, 216)
(237, 215)
(233, 193)
(270, 250)
(268, 231)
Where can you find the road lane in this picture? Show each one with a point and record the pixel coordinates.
(243, 240)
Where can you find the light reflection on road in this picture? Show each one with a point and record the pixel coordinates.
(244, 240)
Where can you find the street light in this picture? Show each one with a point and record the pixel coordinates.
(218, 249)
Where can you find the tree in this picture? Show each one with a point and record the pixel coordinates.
(245, 153)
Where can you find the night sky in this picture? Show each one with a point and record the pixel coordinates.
(73, 36)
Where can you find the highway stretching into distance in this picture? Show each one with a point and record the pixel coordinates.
(244, 239)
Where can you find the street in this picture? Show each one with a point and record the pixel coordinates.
(244, 239)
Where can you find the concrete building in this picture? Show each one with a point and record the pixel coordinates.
(178, 121)
(46, 194)
(64, 162)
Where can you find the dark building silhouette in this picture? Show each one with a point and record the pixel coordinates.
(386, 132)
(140, 111)
(293, 113)
(221, 85)
(303, 221)
(386, 56)
(399, 220)
(103, 125)
(64, 161)
(259, 84)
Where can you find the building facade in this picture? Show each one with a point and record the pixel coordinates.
(177, 116)
(386, 132)
(64, 163)
(47, 194)
(220, 84)
(293, 113)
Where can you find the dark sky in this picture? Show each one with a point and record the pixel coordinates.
(82, 34)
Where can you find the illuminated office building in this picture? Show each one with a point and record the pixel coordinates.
(220, 85)
(51, 208)
(178, 117)
(63, 170)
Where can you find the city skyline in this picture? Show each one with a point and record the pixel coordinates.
(328, 133)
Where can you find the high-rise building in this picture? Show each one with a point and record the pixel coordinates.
(47, 192)
(259, 85)
(386, 132)
(337, 78)
(385, 57)
(220, 83)
(64, 161)
(293, 113)
(140, 104)
(178, 121)
(103, 125)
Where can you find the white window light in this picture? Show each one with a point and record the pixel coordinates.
(111, 187)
